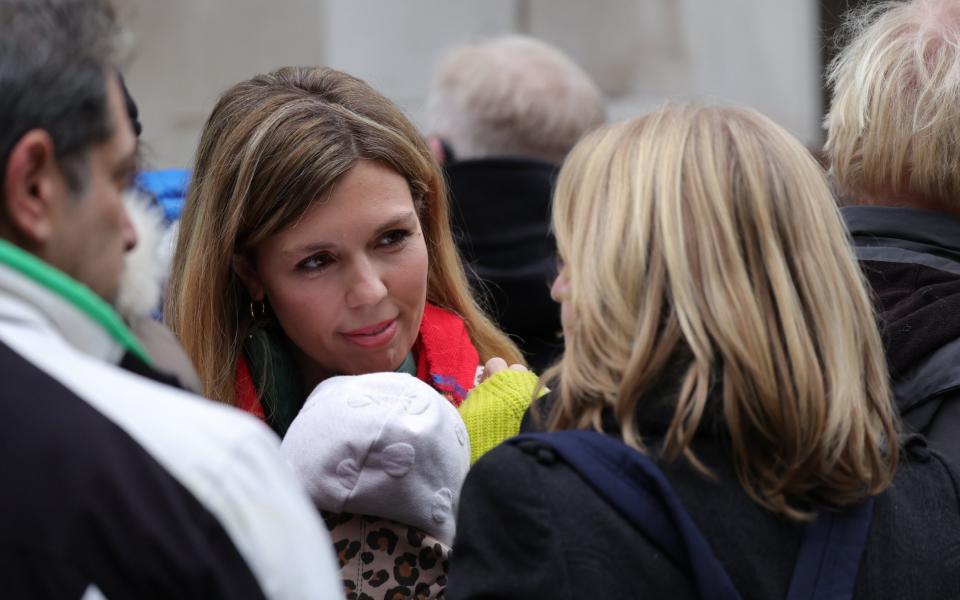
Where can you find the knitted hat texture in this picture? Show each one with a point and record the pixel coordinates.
(382, 444)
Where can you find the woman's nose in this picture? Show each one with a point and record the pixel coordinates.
(366, 285)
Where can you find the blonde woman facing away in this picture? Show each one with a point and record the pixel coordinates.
(719, 337)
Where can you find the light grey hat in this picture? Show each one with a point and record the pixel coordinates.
(385, 445)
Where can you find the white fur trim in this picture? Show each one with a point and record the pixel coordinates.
(146, 267)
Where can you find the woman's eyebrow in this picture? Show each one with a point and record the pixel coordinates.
(309, 248)
(404, 219)
(400, 220)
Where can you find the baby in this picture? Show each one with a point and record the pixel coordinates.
(383, 456)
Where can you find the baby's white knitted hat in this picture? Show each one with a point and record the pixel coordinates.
(383, 444)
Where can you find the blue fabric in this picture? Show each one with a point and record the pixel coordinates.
(169, 187)
(830, 556)
(634, 486)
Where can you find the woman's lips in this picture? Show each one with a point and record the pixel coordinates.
(373, 335)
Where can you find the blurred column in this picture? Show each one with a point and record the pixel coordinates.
(753, 52)
(395, 45)
(188, 51)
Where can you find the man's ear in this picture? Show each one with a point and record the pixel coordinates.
(247, 273)
(33, 188)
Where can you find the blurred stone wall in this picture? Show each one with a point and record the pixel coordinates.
(753, 52)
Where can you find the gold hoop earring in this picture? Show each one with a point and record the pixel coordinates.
(257, 309)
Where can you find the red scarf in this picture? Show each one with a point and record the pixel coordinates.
(446, 359)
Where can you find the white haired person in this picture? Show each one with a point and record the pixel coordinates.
(893, 142)
(723, 388)
(502, 115)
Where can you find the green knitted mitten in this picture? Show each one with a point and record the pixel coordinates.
(493, 410)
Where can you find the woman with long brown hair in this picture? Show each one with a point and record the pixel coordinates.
(716, 323)
(315, 241)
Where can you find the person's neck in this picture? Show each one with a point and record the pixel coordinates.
(902, 200)
(14, 236)
(44, 285)
(311, 374)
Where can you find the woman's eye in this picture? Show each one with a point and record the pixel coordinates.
(393, 238)
(315, 262)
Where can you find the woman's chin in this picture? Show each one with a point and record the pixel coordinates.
(380, 364)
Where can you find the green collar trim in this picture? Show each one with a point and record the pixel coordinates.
(409, 365)
(276, 378)
(74, 292)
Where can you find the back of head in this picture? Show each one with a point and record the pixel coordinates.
(512, 96)
(385, 445)
(54, 59)
(894, 124)
(703, 244)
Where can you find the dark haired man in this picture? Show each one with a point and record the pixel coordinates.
(114, 485)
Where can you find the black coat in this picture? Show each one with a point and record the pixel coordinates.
(529, 527)
(911, 259)
(501, 217)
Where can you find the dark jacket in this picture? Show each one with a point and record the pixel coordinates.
(529, 527)
(116, 486)
(501, 216)
(911, 259)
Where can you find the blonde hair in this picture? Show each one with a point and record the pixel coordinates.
(272, 146)
(894, 123)
(512, 96)
(704, 241)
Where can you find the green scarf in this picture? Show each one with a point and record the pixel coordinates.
(273, 368)
(74, 292)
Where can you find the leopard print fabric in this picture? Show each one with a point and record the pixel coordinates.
(380, 558)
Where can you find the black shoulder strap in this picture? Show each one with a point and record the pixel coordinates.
(634, 485)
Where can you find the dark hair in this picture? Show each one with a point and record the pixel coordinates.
(55, 56)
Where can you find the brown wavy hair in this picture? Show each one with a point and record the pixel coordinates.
(272, 146)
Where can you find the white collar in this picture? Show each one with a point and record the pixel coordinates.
(26, 302)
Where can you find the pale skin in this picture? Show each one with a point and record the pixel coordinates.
(356, 259)
(347, 281)
(497, 364)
